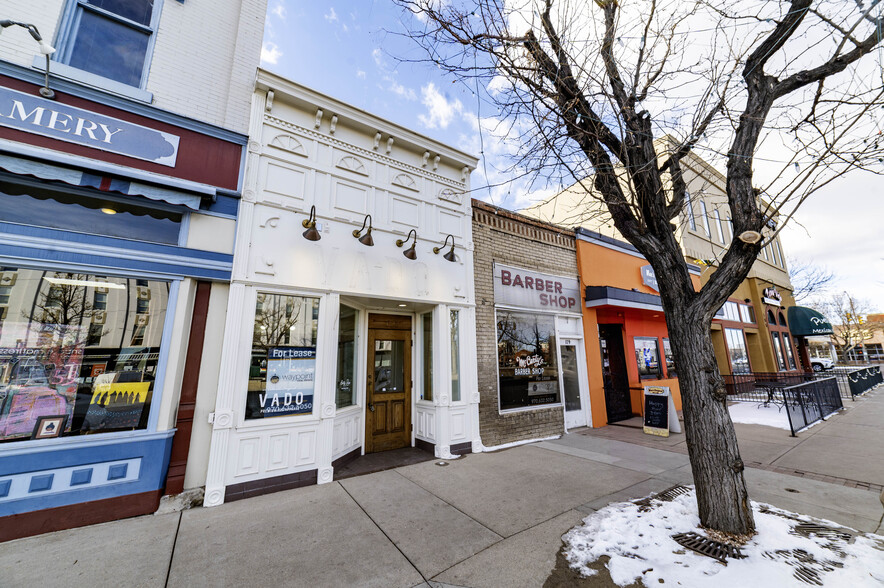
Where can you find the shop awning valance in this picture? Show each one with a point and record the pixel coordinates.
(804, 322)
(78, 177)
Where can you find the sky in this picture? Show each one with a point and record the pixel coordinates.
(354, 52)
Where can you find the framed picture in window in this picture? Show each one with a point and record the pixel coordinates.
(49, 427)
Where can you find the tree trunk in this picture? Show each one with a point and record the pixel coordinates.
(722, 498)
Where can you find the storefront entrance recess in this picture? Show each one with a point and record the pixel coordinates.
(616, 381)
(388, 398)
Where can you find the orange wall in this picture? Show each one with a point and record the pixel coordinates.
(601, 266)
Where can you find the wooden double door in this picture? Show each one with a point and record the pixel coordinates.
(388, 398)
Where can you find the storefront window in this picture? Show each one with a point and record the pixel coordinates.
(790, 357)
(455, 356)
(736, 347)
(45, 208)
(778, 349)
(647, 355)
(670, 360)
(346, 357)
(427, 341)
(747, 313)
(526, 359)
(67, 365)
(283, 364)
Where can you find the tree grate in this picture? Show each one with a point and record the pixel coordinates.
(808, 569)
(668, 495)
(708, 547)
(808, 529)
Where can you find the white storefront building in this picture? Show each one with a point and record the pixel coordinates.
(338, 344)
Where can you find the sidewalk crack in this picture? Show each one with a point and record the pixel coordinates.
(174, 544)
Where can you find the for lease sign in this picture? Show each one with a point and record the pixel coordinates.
(528, 289)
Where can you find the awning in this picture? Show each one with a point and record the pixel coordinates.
(78, 177)
(610, 296)
(804, 322)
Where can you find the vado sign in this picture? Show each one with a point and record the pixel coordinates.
(533, 290)
(37, 115)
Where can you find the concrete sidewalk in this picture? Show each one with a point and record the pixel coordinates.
(493, 519)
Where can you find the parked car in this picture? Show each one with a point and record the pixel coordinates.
(821, 363)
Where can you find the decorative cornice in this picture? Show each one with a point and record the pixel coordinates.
(367, 153)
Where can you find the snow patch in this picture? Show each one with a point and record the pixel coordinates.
(754, 413)
(640, 547)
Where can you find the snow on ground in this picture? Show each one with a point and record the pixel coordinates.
(487, 449)
(755, 413)
(640, 546)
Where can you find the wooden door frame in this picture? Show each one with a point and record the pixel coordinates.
(373, 334)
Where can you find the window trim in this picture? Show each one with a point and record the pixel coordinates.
(64, 43)
(721, 236)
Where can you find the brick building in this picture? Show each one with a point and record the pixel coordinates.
(526, 282)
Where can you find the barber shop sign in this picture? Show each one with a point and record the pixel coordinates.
(523, 288)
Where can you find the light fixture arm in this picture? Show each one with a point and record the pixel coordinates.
(444, 243)
(45, 48)
(310, 221)
(401, 242)
(367, 220)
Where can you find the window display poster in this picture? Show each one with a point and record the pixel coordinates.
(291, 373)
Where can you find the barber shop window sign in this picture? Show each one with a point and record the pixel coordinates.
(291, 372)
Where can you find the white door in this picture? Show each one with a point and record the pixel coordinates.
(574, 383)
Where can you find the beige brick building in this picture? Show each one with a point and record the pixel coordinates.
(504, 239)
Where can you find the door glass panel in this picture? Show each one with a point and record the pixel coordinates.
(455, 356)
(779, 351)
(569, 377)
(427, 391)
(389, 366)
(346, 357)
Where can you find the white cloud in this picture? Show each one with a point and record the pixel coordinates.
(399, 89)
(360, 74)
(440, 111)
(279, 11)
(270, 53)
(378, 57)
(332, 16)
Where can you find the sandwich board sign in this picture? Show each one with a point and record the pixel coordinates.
(659, 416)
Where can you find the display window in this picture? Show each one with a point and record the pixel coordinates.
(79, 354)
(670, 360)
(736, 347)
(282, 372)
(647, 356)
(528, 370)
(346, 372)
(427, 355)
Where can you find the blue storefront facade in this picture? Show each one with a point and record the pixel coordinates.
(117, 225)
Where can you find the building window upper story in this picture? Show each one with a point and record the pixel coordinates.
(690, 208)
(722, 237)
(705, 214)
(109, 38)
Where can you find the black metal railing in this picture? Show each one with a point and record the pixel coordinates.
(762, 386)
(811, 402)
(860, 381)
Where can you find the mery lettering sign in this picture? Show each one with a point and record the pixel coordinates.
(37, 115)
(533, 290)
(649, 278)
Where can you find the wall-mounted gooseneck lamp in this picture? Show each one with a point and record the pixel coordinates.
(410, 253)
(449, 255)
(311, 234)
(366, 238)
(45, 48)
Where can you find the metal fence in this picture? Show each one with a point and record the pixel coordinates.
(810, 402)
(764, 386)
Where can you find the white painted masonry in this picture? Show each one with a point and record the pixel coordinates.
(307, 149)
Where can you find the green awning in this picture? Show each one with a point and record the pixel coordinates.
(804, 322)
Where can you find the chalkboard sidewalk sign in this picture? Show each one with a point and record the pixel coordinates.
(659, 412)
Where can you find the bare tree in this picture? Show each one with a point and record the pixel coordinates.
(808, 279)
(852, 325)
(585, 91)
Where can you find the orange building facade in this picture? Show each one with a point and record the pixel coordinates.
(622, 304)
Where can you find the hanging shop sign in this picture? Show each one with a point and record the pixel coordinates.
(291, 373)
(649, 278)
(33, 114)
(771, 296)
(534, 290)
(659, 416)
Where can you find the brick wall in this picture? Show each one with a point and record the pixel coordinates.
(512, 239)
